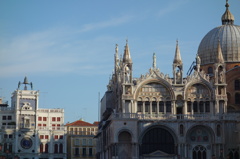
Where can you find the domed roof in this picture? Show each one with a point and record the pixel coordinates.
(229, 36)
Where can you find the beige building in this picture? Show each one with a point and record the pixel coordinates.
(29, 132)
(80, 139)
(157, 115)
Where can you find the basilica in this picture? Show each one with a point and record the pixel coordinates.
(176, 117)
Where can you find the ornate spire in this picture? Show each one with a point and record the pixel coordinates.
(219, 57)
(177, 58)
(126, 55)
(227, 17)
(154, 61)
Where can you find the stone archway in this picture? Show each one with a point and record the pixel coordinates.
(124, 145)
(157, 142)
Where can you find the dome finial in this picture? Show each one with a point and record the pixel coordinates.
(227, 17)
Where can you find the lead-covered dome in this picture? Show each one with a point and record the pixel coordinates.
(229, 36)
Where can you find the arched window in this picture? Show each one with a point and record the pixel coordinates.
(199, 152)
(147, 107)
(161, 106)
(210, 70)
(169, 106)
(237, 98)
(201, 107)
(189, 106)
(154, 106)
(139, 106)
(237, 84)
(218, 130)
(181, 129)
(46, 148)
(61, 148)
(41, 148)
(207, 106)
(56, 148)
(195, 106)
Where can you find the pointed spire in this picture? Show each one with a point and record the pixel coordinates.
(126, 55)
(25, 80)
(116, 51)
(227, 17)
(177, 58)
(219, 57)
(154, 61)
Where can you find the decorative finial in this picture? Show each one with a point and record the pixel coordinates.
(154, 61)
(227, 17)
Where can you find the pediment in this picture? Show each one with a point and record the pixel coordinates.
(159, 153)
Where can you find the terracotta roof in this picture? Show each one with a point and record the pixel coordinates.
(79, 123)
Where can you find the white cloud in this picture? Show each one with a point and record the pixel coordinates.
(57, 51)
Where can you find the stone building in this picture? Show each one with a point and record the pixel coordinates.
(29, 132)
(192, 117)
(80, 139)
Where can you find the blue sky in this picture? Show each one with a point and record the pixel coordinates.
(66, 48)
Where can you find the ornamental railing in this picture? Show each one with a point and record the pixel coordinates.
(229, 116)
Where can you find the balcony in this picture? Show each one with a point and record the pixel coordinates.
(172, 117)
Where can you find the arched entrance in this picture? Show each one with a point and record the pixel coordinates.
(124, 145)
(200, 139)
(157, 142)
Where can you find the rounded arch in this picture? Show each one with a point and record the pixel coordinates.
(162, 82)
(157, 138)
(123, 130)
(171, 131)
(196, 84)
(200, 133)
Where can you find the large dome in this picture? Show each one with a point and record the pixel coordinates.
(229, 36)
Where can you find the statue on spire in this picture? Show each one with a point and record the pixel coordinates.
(154, 61)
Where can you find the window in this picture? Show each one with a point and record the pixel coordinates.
(218, 130)
(39, 125)
(56, 148)
(189, 106)
(44, 118)
(53, 118)
(139, 106)
(41, 148)
(161, 106)
(39, 118)
(154, 106)
(168, 106)
(201, 107)
(27, 123)
(237, 84)
(76, 151)
(55, 136)
(53, 126)
(90, 141)
(61, 137)
(46, 148)
(46, 136)
(10, 136)
(61, 148)
(90, 152)
(77, 142)
(58, 119)
(9, 117)
(84, 152)
(195, 106)
(41, 136)
(45, 125)
(207, 106)
(181, 129)
(4, 117)
(58, 126)
(210, 70)
(5, 136)
(84, 142)
(237, 98)
(147, 105)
